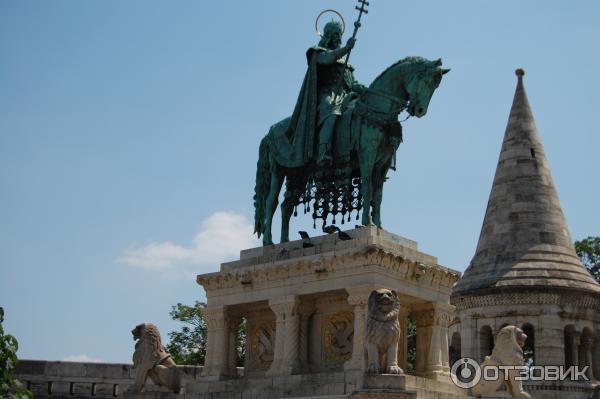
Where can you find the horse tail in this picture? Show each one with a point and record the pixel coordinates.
(263, 185)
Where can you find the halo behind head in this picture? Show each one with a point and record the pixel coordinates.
(324, 12)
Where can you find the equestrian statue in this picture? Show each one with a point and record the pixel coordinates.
(335, 149)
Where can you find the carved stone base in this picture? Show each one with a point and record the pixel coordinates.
(382, 394)
(392, 386)
(152, 395)
(440, 376)
(306, 308)
(384, 381)
(334, 385)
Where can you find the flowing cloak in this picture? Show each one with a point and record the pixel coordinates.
(302, 129)
(294, 139)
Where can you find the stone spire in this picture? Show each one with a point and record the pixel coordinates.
(524, 241)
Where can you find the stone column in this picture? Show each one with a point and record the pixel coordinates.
(432, 339)
(588, 344)
(217, 342)
(549, 340)
(596, 358)
(403, 343)
(468, 335)
(358, 298)
(233, 324)
(279, 337)
(305, 311)
(575, 342)
(424, 320)
(291, 359)
(285, 358)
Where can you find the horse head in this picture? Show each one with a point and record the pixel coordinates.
(421, 84)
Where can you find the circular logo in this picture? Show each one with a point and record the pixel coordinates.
(465, 373)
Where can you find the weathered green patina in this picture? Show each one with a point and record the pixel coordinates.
(328, 85)
(336, 148)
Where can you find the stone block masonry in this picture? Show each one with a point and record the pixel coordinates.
(84, 380)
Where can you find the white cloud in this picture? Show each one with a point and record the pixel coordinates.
(221, 237)
(83, 358)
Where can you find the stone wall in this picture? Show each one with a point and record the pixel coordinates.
(84, 380)
(329, 385)
(72, 380)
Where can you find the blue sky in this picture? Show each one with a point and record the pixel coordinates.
(129, 137)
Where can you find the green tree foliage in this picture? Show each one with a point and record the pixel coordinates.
(188, 346)
(589, 252)
(9, 386)
(528, 356)
(240, 344)
(411, 337)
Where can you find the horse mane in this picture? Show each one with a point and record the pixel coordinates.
(414, 59)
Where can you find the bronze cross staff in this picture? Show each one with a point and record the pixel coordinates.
(361, 10)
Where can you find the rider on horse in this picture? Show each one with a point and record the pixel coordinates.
(327, 83)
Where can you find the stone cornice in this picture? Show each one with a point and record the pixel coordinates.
(531, 295)
(372, 255)
(330, 298)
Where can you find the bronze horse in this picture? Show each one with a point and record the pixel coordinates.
(406, 85)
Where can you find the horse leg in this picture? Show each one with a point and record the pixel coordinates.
(379, 179)
(370, 140)
(271, 204)
(287, 206)
(293, 186)
(367, 163)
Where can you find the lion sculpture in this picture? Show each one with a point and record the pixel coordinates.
(508, 351)
(383, 333)
(151, 360)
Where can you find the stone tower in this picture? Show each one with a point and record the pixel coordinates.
(525, 270)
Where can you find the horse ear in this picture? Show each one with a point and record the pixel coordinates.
(444, 71)
(437, 62)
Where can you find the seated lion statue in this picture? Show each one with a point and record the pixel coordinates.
(151, 360)
(508, 351)
(383, 333)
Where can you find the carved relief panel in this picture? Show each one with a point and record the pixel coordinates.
(262, 345)
(338, 334)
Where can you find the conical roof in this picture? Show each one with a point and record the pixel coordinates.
(524, 240)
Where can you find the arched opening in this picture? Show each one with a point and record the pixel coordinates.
(571, 346)
(529, 347)
(236, 346)
(241, 342)
(454, 351)
(486, 342)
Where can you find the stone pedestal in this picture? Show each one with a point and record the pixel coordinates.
(384, 386)
(306, 309)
